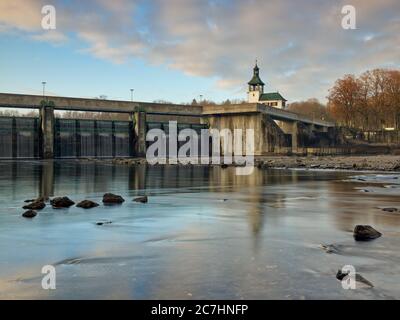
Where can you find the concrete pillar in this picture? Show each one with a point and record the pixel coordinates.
(295, 137)
(140, 133)
(46, 182)
(77, 138)
(113, 139)
(14, 138)
(46, 119)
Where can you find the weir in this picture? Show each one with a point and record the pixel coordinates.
(276, 131)
(76, 138)
(19, 137)
(92, 138)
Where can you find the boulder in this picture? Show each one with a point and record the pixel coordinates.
(141, 199)
(36, 205)
(330, 248)
(61, 202)
(340, 275)
(40, 199)
(110, 198)
(29, 214)
(365, 233)
(360, 280)
(100, 223)
(87, 204)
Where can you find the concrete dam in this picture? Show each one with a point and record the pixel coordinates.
(277, 131)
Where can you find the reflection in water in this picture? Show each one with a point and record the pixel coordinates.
(80, 177)
(205, 233)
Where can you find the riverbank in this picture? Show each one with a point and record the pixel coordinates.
(362, 163)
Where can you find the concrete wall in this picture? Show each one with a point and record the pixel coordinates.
(178, 118)
(273, 137)
(267, 135)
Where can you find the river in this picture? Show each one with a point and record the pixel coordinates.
(205, 233)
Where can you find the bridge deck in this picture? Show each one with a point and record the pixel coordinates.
(274, 113)
(8, 100)
(97, 105)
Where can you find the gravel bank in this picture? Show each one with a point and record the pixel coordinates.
(373, 163)
(362, 163)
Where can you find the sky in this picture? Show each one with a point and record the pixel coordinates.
(177, 50)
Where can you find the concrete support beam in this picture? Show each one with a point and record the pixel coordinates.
(46, 181)
(295, 136)
(46, 134)
(140, 133)
(292, 129)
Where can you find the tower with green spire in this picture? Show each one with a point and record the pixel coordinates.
(256, 92)
(256, 86)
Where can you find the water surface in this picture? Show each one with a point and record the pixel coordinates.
(205, 233)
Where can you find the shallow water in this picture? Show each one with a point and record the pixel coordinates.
(205, 233)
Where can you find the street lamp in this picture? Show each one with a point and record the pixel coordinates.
(132, 95)
(44, 87)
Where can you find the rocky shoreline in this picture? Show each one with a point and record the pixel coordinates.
(361, 163)
(389, 163)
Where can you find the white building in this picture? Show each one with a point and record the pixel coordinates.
(256, 92)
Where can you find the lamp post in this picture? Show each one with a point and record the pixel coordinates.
(44, 87)
(132, 95)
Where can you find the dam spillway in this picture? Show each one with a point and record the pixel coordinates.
(20, 138)
(92, 138)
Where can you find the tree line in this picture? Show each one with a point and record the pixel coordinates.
(369, 102)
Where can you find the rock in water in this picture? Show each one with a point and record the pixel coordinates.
(340, 275)
(40, 199)
(330, 248)
(390, 209)
(365, 233)
(360, 280)
(87, 204)
(100, 223)
(111, 198)
(61, 202)
(36, 205)
(141, 199)
(29, 214)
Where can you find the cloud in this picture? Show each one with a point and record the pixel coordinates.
(50, 36)
(21, 14)
(300, 45)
